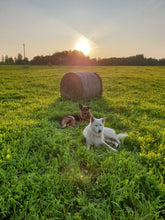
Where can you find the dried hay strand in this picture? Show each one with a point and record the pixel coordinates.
(80, 85)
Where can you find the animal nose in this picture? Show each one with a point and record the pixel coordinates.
(99, 131)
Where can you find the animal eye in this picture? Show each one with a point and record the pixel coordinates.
(95, 125)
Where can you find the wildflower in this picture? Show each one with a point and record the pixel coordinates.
(8, 156)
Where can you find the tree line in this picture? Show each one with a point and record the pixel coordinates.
(6, 60)
(78, 58)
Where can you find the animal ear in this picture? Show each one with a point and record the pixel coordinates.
(103, 119)
(92, 118)
(80, 106)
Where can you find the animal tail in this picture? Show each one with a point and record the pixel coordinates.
(121, 135)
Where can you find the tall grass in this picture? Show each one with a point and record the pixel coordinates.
(48, 173)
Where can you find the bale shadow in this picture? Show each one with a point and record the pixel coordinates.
(99, 106)
(62, 106)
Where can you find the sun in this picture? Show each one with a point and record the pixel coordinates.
(83, 46)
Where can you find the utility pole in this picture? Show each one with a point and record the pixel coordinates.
(24, 53)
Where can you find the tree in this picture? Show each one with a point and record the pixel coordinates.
(26, 61)
(2, 60)
(6, 59)
(19, 59)
(10, 61)
(162, 62)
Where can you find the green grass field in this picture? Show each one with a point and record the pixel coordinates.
(48, 173)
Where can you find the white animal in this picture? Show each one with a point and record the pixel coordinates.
(96, 134)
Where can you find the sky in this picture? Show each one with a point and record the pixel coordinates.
(113, 28)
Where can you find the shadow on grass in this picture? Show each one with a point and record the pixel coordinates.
(99, 106)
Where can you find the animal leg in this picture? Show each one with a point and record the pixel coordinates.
(73, 123)
(109, 146)
(113, 142)
(88, 146)
(67, 122)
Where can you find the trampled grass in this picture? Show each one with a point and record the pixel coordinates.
(48, 173)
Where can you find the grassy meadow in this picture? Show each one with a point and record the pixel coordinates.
(48, 173)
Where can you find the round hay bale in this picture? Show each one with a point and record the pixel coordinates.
(80, 85)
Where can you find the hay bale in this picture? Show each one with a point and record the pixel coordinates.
(80, 85)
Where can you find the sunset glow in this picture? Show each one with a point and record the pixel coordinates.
(83, 46)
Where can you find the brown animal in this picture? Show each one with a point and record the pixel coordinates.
(73, 119)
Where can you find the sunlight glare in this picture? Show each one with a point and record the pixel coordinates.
(83, 46)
